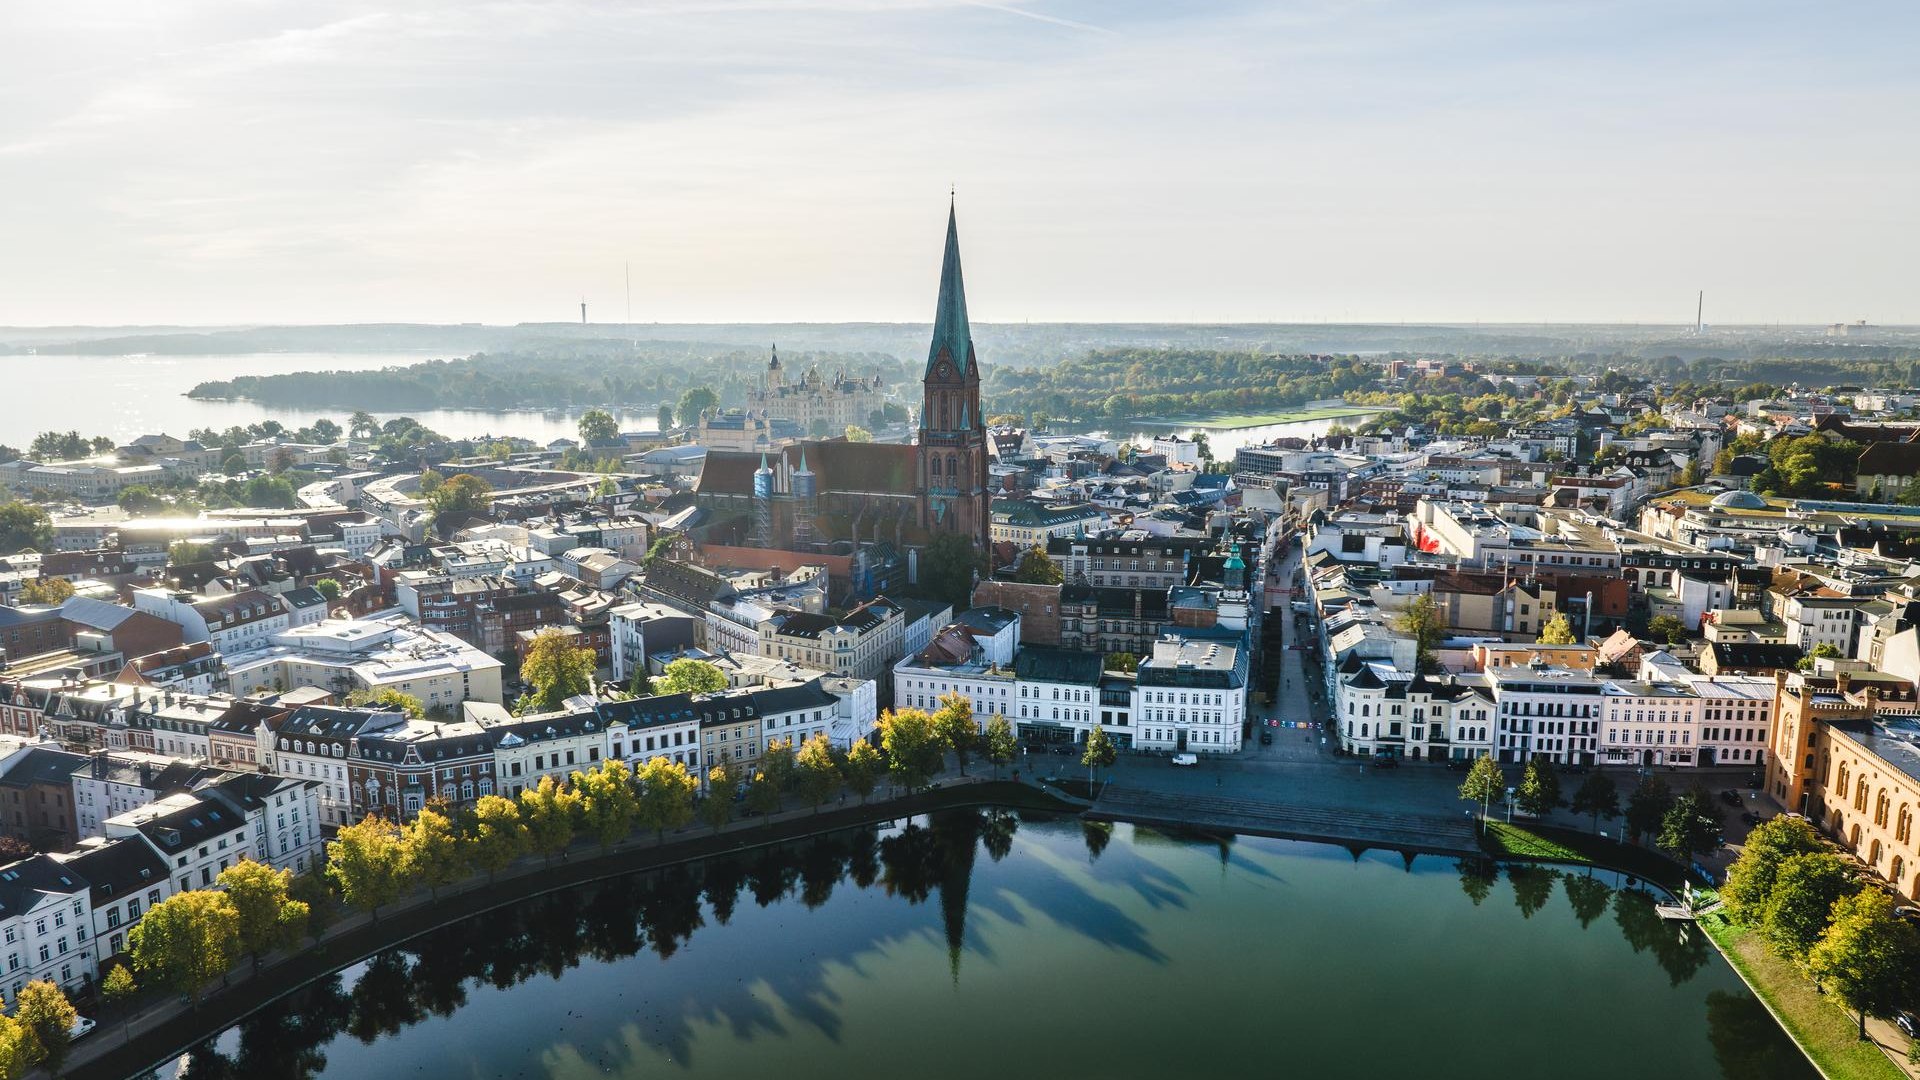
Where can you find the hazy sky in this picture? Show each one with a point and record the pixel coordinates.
(458, 160)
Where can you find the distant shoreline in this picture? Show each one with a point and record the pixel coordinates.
(1234, 421)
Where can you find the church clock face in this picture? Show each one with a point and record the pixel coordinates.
(945, 371)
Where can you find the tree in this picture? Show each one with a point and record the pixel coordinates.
(1647, 806)
(717, 808)
(140, 500)
(663, 417)
(362, 425)
(1867, 956)
(1667, 628)
(1422, 622)
(313, 890)
(1557, 630)
(1691, 826)
(914, 749)
(819, 774)
(948, 568)
(1121, 661)
(856, 433)
(555, 670)
(608, 803)
(666, 795)
(388, 699)
(1100, 753)
(43, 1009)
(954, 725)
(690, 676)
(1750, 880)
(499, 836)
(1485, 783)
(1597, 798)
(116, 992)
(46, 590)
(186, 941)
(1038, 568)
(1000, 744)
(640, 684)
(861, 769)
(696, 400)
(599, 428)
(549, 810)
(1805, 890)
(1690, 476)
(431, 480)
(1820, 652)
(24, 527)
(368, 862)
(777, 769)
(329, 588)
(270, 918)
(1539, 789)
(462, 494)
(433, 853)
(186, 552)
(17, 1049)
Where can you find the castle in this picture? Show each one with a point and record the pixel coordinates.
(824, 493)
(820, 406)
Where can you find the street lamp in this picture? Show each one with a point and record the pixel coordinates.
(1510, 793)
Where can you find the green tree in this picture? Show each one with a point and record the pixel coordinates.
(1691, 826)
(1557, 630)
(368, 862)
(777, 767)
(1750, 880)
(640, 684)
(388, 699)
(499, 836)
(433, 854)
(431, 480)
(861, 769)
(953, 724)
(1000, 743)
(1647, 807)
(186, 941)
(116, 992)
(1667, 628)
(24, 527)
(329, 588)
(666, 795)
(314, 890)
(856, 433)
(51, 591)
(663, 417)
(1122, 661)
(1597, 798)
(1422, 622)
(549, 811)
(1539, 789)
(1867, 956)
(43, 1009)
(362, 425)
(17, 1049)
(1690, 476)
(689, 676)
(270, 918)
(1485, 783)
(1805, 889)
(717, 808)
(819, 773)
(1099, 754)
(1821, 651)
(555, 670)
(608, 802)
(186, 552)
(599, 428)
(914, 749)
(1038, 568)
(462, 494)
(948, 567)
(696, 400)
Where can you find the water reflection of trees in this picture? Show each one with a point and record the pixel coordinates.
(931, 863)
(1679, 949)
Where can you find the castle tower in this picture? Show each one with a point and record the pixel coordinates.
(775, 376)
(953, 434)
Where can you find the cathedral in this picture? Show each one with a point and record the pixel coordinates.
(831, 494)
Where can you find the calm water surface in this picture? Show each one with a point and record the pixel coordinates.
(979, 944)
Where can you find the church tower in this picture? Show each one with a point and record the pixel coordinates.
(953, 433)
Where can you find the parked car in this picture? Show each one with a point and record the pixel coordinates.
(1458, 764)
(1907, 912)
(1266, 736)
(1730, 797)
(1186, 759)
(1386, 761)
(1907, 1024)
(81, 1026)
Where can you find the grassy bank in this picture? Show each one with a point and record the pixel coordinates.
(1829, 1034)
(1545, 843)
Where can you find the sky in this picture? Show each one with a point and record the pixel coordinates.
(199, 162)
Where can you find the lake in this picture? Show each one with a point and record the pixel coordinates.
(124, 397)
(982, 943)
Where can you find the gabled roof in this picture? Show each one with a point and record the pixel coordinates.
(116, 869)
(23, 884)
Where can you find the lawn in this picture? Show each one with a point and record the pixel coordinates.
(1549, 844)
(1828, 1033)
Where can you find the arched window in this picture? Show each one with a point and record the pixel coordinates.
(1898, 871)
(1881, 805)
(1363, 731)
(1903, 824)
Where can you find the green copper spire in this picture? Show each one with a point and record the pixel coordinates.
(951, 334)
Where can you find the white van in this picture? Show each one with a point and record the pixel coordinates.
(1186, 759)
